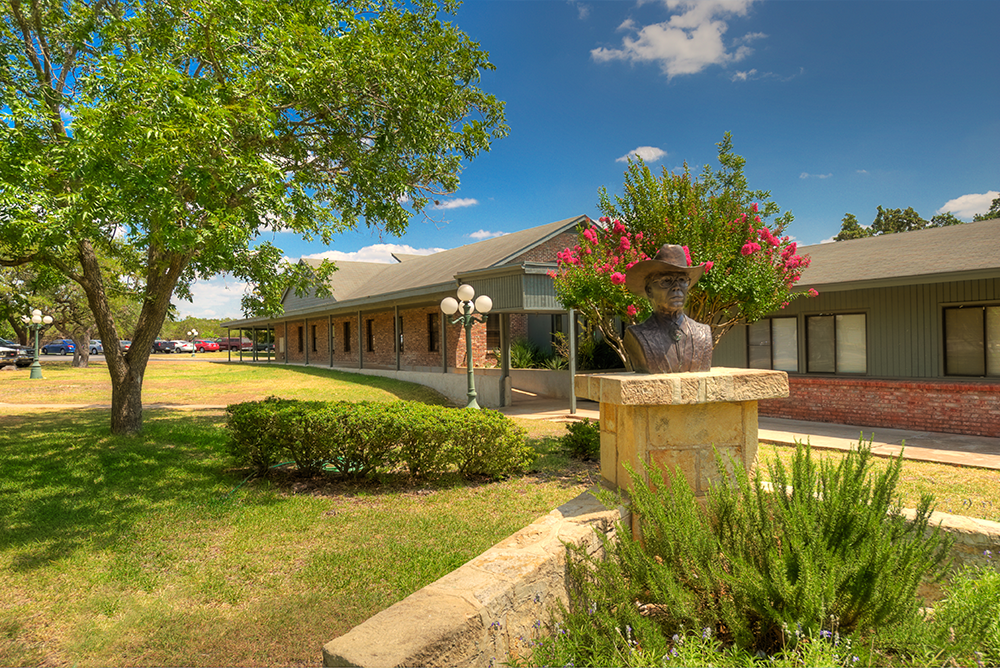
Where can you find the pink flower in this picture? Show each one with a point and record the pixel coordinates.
(551, 274)
(604, 219)
(708, 266)
(687, 255)
(618, 278)
(619, 228)
(624, 245)
(632, 311)
(813, 293)
(590, 235)
(638, 236)
(753, 207)
(749, 248)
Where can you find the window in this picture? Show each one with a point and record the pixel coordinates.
(313, 337)
(433, 332)
(773, 343)
(972, 341)
(370, 329)
(836, 343)
(493, 332)
(347, 337)
(302, 346)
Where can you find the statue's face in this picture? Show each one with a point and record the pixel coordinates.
(668, 291)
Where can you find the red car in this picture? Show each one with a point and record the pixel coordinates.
(206, 345)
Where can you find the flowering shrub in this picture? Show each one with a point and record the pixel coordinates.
(751, 266)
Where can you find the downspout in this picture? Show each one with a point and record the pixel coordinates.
(505, 380)
(572, 362)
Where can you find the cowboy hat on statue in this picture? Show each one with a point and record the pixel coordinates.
(668, 341)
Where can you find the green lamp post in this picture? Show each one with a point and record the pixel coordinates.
(483, 304)
(35, 322)
(192, 335)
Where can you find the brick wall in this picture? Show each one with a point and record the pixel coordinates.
(416, 338)
(952, 407)
(546, 251)
(348, 358)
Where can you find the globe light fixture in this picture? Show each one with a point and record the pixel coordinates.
(468, 316)
(192, 333)
(36, 321)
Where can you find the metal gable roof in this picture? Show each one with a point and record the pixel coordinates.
(971, 250)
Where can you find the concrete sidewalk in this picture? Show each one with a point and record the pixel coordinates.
(955, 449)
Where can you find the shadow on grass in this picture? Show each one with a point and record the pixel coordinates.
(400, 389)
(67, 481)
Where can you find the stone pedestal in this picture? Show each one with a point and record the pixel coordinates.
(675, 420)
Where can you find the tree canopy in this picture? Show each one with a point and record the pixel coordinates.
(890, 221)
(172, 137)
(751, 267)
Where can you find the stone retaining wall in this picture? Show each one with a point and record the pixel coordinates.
(484, 611)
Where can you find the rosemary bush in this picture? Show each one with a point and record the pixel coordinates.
(828, 551)
(582, 440)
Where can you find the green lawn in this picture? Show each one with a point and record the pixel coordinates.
(149, 551)
(138, 551)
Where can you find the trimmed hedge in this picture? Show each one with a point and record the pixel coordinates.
(362, 438)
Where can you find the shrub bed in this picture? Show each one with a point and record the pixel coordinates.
(359, 439)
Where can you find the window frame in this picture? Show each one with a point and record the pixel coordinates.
(433, 332)
(771, 346)
(986, 339)
(370, 334)
(347, 336)
(834, 340)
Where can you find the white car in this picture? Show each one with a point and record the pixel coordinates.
(183, 347)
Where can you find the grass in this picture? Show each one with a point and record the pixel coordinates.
(960, 490)
(149, 551)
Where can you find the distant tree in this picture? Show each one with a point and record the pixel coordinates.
(994, 212)
(945, 219)
(890, 221)
(750, 267)
(850, 228)
(168, 135)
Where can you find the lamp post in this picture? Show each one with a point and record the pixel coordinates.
(192, 333)
(483, 304)
(35, 322)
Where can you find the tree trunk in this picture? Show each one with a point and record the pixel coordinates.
(126, 405)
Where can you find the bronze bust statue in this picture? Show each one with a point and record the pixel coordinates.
(668, 341)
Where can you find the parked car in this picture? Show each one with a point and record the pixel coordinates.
(59, 347)
(265, 346)
(206, 345)
(26, 352)
(235, 343)
(162, 346)
(96, 348)
(183, 347)
(14, 357)
(124, 345)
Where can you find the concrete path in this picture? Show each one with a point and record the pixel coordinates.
(956, 449)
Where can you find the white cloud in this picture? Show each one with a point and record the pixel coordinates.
(217, 297)
(374, 253)
(743, 76)
(969, 205)
(479, 235)
(582, 10)
(455, 203)
(861, 171)
(807, 175)
(647, 153)
(687, 43)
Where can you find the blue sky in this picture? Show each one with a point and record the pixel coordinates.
(837, 106)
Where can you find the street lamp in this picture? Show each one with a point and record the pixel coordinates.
(483, 304)
(35, 322)
(192, 333)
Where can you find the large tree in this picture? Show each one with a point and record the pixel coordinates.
(751, 266)
(167, 136)
(890, 221)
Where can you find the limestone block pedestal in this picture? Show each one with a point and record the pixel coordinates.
(675, 420)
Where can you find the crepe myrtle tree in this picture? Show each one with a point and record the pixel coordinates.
(175, 137)
(751, 266)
